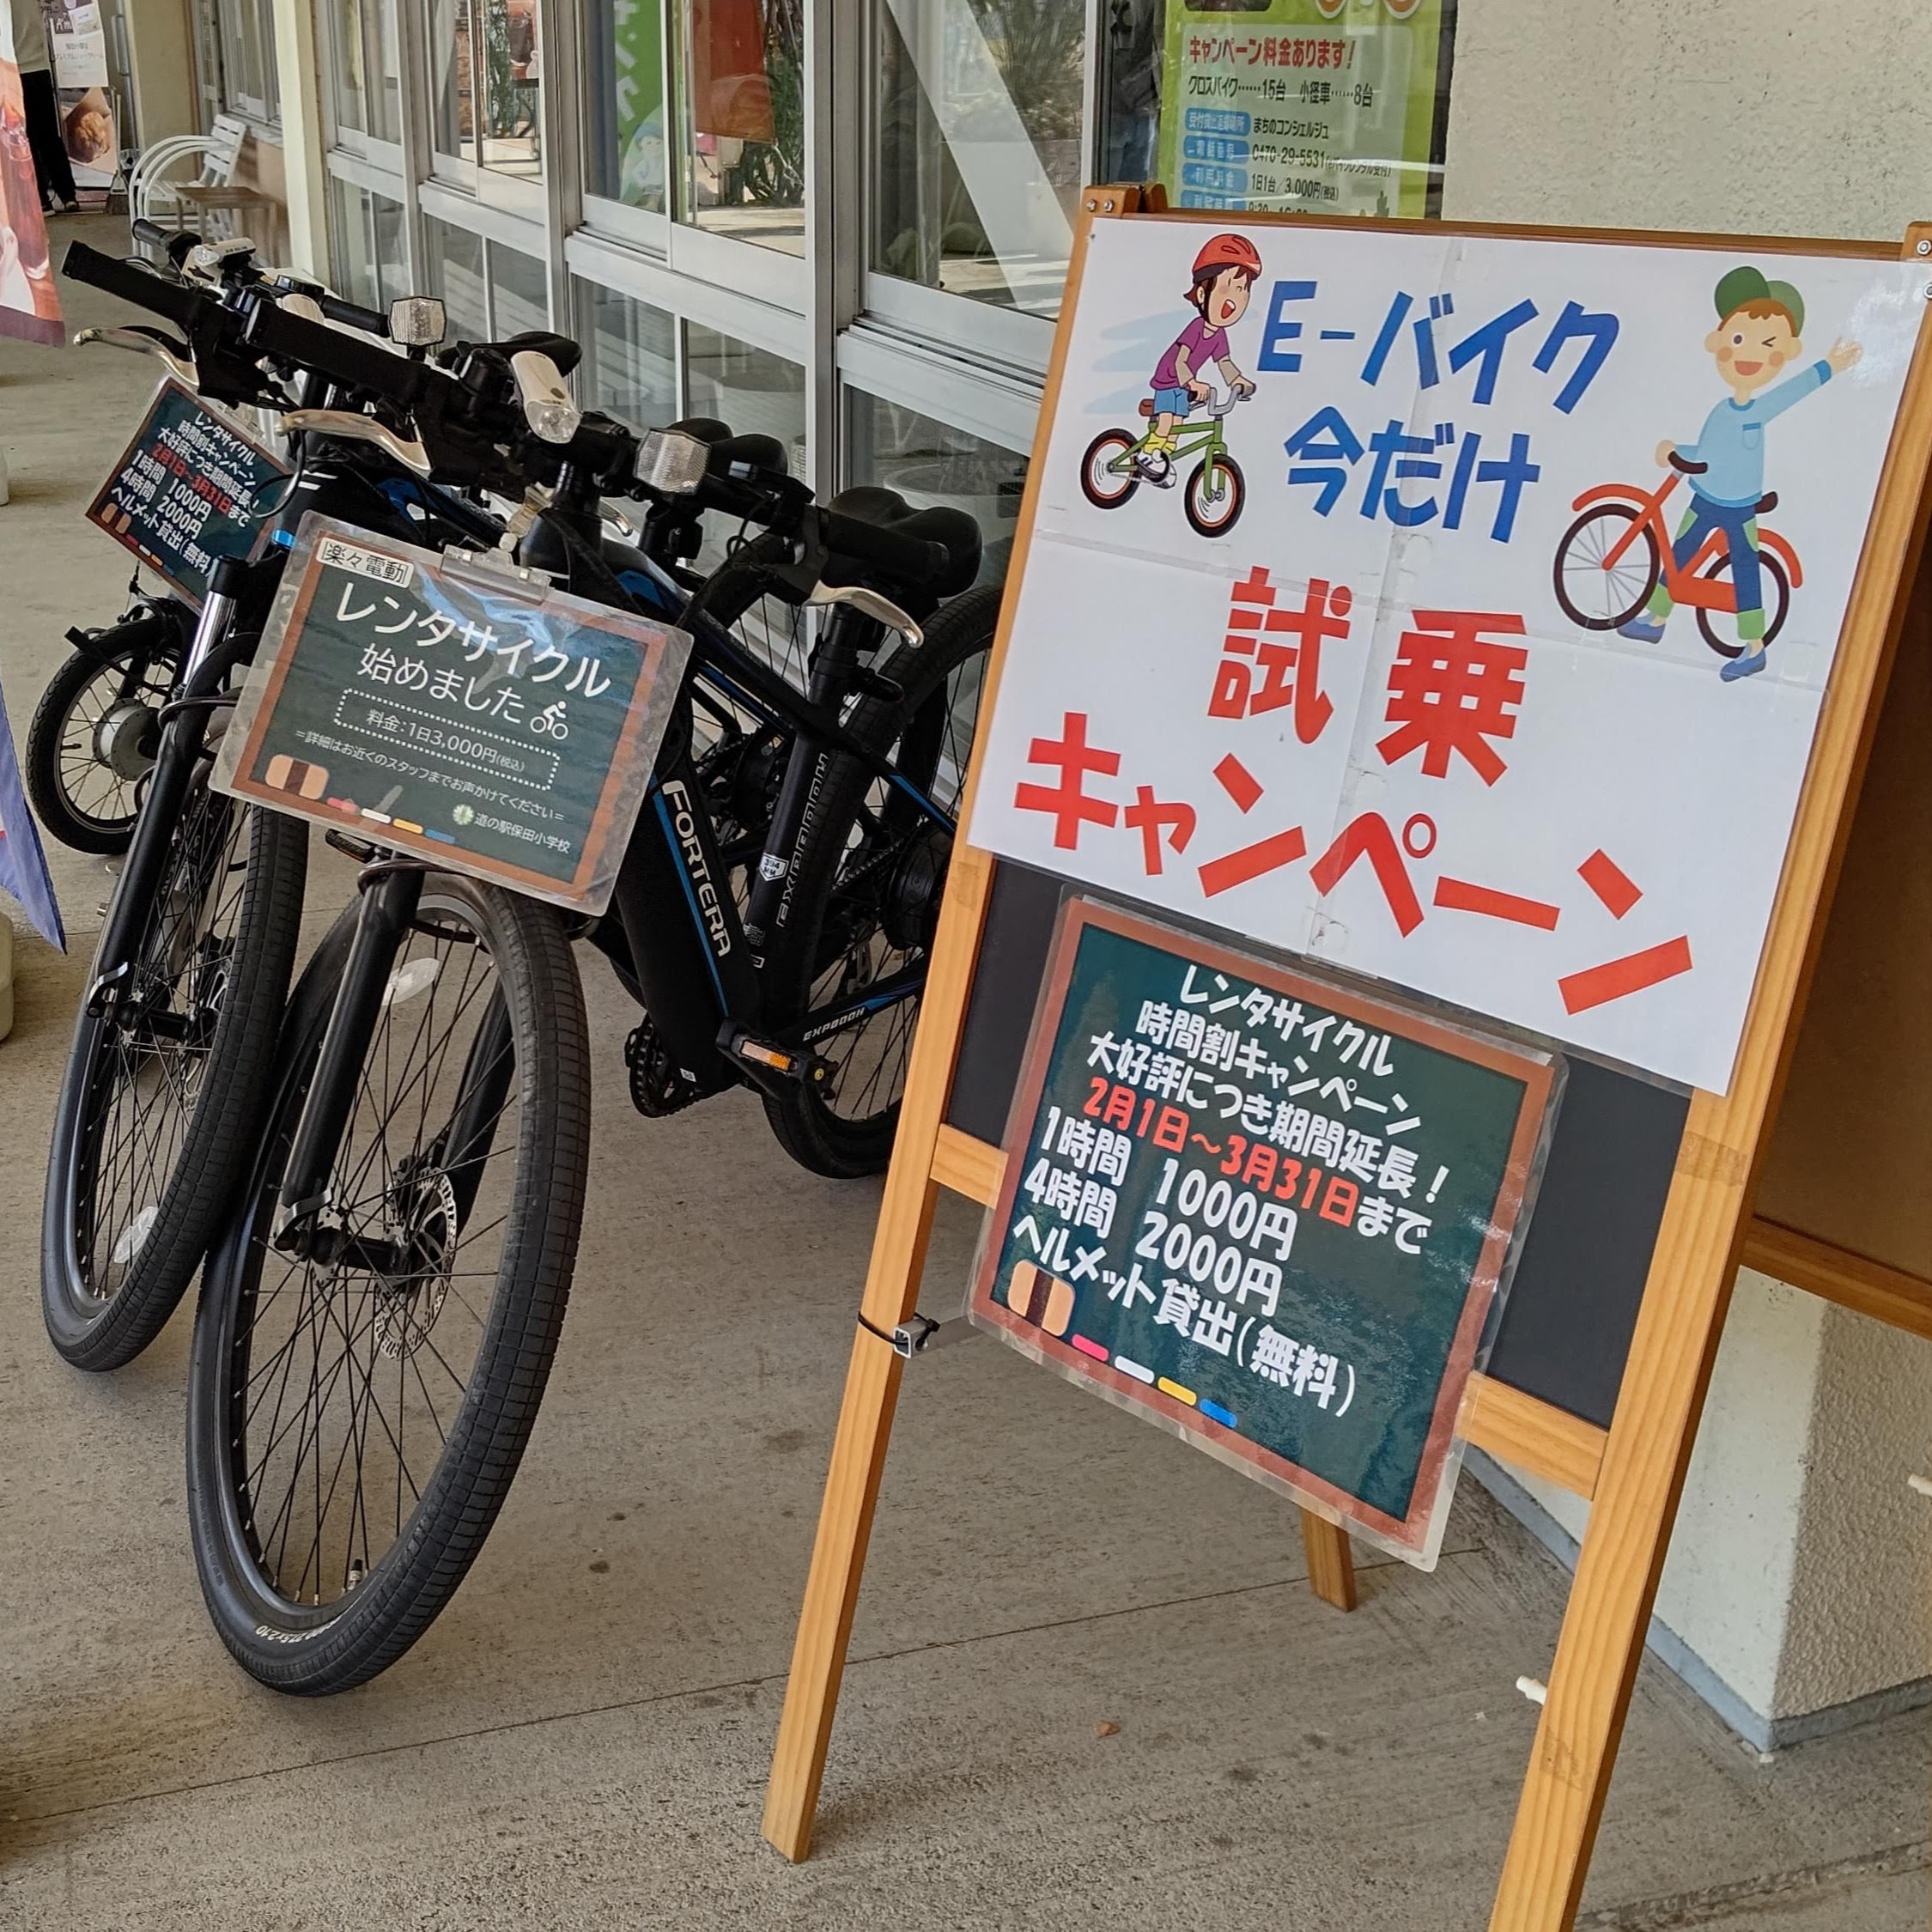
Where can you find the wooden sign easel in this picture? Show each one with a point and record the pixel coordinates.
(1633, 1472)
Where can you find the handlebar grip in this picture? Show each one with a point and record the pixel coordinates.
(1684, 465)
(910, 561)
(370, 321)
(342, 358)
(151, 233)
(175, 301)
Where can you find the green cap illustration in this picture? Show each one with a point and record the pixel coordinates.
(1742, 286)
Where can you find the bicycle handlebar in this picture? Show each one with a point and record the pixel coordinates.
(1685, 466)
(370, 321)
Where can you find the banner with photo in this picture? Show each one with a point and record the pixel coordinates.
(29, 302)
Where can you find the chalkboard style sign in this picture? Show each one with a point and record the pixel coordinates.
(456, 708)
(189, 489)
(1263, 1210)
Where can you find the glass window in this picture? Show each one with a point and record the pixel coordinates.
(624, 143)
(456, 270)
(929, 462)
(368, 254)
(393, 270)
(753, 392)
(354, 258)
(977, 132)
(519, 293)
(245, 39)
(365, 71)
(742, 145)
(630, 358)
(486, 66)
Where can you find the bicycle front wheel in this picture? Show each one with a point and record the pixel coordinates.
(361, 1392)
(90, 744)
(164, 1086)
(871, 871)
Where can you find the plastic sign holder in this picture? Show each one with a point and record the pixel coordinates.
(1632, 1471)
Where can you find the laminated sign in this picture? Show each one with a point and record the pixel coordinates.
(1455, 608)
(190, 490)
(1265, 1211)
(456, 708)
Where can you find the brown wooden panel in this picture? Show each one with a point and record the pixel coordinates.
(1847, 1159)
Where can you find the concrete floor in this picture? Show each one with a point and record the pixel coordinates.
(582, 1740)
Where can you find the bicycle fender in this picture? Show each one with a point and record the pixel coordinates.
(1619, 493)
(153, 630)
(1770, 540)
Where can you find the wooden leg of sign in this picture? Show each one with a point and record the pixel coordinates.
(1705, 1222)
(1331, 1563)
(872, 1382)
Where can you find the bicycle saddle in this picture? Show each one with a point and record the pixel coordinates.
(887, 510)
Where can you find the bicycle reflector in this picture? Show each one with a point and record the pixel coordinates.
(669, 462)
(417, 321)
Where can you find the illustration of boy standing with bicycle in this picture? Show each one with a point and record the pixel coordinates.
(1225, 272)
(1759, 324)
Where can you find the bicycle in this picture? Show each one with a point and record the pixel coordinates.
(1216, 492)
(173, 1048)
(1611, 559)
(376, 1326)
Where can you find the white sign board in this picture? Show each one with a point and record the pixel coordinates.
(1490, 662)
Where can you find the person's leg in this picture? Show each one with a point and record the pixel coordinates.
(51, 164)
(1648, 626)
(1740, 532)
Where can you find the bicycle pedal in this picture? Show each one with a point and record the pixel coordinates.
(768, 1064)
(657, 1088)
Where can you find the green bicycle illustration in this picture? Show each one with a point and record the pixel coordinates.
(1117, 465)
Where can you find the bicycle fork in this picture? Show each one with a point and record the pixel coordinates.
(184, 732)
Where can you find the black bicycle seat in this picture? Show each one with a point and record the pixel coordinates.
(885, 510)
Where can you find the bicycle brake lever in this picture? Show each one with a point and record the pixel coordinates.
(348, 427)
(881, 609)
(138, 342)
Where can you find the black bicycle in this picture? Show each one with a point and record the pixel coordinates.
(173, 1045)
(375, 1329)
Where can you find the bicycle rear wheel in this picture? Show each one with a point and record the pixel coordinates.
(90, 744)
(359, 1401)
(164, 1085)
(871, 871)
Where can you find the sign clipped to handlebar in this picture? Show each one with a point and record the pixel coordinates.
(188, 490)
(457, 709)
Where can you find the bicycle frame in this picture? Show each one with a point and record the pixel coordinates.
(696, 975)
(1687, 583)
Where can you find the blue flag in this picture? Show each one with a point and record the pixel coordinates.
(23, 865)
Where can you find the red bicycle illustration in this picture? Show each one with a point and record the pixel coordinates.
(1614, 556)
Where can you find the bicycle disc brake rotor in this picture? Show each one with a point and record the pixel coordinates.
(407, 1308)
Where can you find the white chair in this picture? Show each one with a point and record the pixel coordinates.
(153, 196)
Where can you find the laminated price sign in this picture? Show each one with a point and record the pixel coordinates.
(455, 709)
(187, 491)
(1267, 1212)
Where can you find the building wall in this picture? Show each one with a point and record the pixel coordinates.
(1778, 117)
(160, 45)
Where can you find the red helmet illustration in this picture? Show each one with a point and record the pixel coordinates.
(1226, 252)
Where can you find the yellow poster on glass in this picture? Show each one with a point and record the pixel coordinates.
(1324, 106)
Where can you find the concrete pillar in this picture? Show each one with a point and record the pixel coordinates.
(1797, 1595)
(303, 133)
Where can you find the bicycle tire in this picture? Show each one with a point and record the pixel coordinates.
(95, 1321)
(835, 842)
(55, 800)
(319, 1647)
(1197, 505)
(1111, 445)
(1771, 566)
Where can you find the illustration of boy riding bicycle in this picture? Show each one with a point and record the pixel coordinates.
(1619, 568)
(1117, 462)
